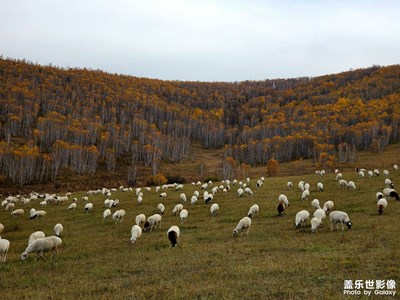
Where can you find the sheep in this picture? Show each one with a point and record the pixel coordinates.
(338, 176)
(243, 226)
(4, 246)
(161, 208)
(152, 222)
(301, 218)
(136, 232)
(289, 185)
(72, 206)
(378, 195)
(51, 243)
(248, 191)
(163, 195)
(328, 205)
(376, 172)
(361, 174)
(18, 212)
(139, 200)
(214, 209)
(140, 219)
(240, 192)
(315, 223)
(177, 209)
(382, 203)
(395, 167)
(119, 215)
(173, 234)
(254, 209)
(209, 198)
(388, 192)
(305, 195)
(34, 236)
(386, 173)
(182, 197)
(1, 228)
(193, 200)
(320, 186)
(339, 217)
(284, 199)
(352, 185)
(196, 193)
(388, 183)
(32, 213)
(10, 205)
(280, 208)
(43, 203)
(88, 207)
(106, 214)
(300, 185)
(320, 213)
(58, 229)
(370, 174)
(307, 186)
(343, 183)
(183, 215)
(315, 204)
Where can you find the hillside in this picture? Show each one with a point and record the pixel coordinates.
(56, 124)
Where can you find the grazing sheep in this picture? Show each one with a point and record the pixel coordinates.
(1, 228)
(307, 186)
(388, 192)
(305, 194)
(119, 215)
(379, 195)
(338, 176)
(370, 174)
(328, 205)
(284, 199)
(243, 226)
(343, 183)
(289, 185)
(161, 208)
(300, 185)
(320, 186)
(173, 234)
(136, 232)
(51, 243)
(88, 207)
(182, 197)
(301, 218)
(382, 203)
(339, 217)
(240, 192)
(320, 213)
(140, 219)
(315, 204)
(209, 198)
(32, 213)
(395, 167)
(214, 209)
(315, 223)
(177, 209)
(106, 214)
(254, 209)
(139, 200)
(351, 185)
(4, 246)
(34, 236)
(248, 191)
(376, 172)
(18, 212)
(388, 183)
(280, 208)
(152, 222)
(183, 214)
(163, 195)
(58, 229)
(193, 200)
(10, 206)
(72, 206)
(386, 172)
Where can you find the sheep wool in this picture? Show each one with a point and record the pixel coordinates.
(315, 223)
(4, 246)
(382, 203)
(58, 229)
(339, 217)
(243, 226)
(214, 209)
(34, 236)
(47, 244)
(140, 219)
(254, 209)
(136, 232)
(152, 222)
(301, 219)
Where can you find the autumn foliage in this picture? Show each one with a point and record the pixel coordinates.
(79, 120)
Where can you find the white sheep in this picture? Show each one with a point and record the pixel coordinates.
(254, 209)
(88, 207)
(343, 183)
(315, 204)
(72, 206)
(140, 219)
(152, 222)
(388, 183)
(209, 198)
(51, 243)
(182, 197)
(284, 199)
(196, 193)
(136, 232)
(289, 185)
(58, 229)
(352, 185)
(173, 234)
(34, 236)
(315, 223)
(388, 192)
(214, 209)
(32, 213)
(376, 172)
(395, 167)
(301, 218)
(370, 174)
(10, 205)
(240, 192)
(177, 209)
(307, 186)
(328, 205)
(320, 186)
(163, 195)
(341, 217)
(386, 172)
(119, 215)
(320, 213)
(18, 212)
(378, 195)
(300, 185)
(382, 203)
(1, 228)
(193, 200)
(4, 246)
(248, 191)
(305, 194)
(161, 208)
(106, 214)
(183, 214)
(243, 226)
(338, 176)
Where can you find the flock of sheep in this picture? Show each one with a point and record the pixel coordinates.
(39, 243)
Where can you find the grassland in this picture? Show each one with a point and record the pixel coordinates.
(275, 261)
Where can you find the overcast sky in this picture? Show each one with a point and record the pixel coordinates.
(231, 40)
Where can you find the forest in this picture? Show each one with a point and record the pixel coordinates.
(54, 119)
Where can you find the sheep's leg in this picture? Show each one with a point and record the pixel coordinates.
(331, 226)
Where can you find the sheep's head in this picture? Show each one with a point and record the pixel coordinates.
(349, 224)
(24, 255)
(235, 232)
